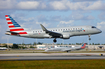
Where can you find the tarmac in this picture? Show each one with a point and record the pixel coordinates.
(52, 56)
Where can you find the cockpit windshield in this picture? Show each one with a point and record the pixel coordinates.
(93, 27)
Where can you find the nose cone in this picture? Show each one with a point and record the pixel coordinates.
(100, 31)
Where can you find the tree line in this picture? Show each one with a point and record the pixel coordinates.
(17, 46)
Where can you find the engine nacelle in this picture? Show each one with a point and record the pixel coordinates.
(66, 36)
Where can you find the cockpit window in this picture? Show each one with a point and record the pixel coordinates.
(93, 27)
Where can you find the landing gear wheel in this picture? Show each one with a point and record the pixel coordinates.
(89, 38)
(68, 51)
(55, 40)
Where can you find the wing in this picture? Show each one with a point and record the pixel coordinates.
(53, 34)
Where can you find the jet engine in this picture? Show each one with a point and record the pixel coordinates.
(65, 36)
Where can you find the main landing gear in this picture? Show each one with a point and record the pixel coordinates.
(55, 40)
(68, 51)
(89, 37)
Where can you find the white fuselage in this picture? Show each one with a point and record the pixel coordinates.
(66, 32)
(63, 49)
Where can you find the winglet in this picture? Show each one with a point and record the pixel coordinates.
(43, 28)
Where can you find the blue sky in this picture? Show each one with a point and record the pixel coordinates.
(53, 13)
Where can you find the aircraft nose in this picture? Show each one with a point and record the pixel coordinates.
(100, 31)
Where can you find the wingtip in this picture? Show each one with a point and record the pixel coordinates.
(43, 28)
(41, 24)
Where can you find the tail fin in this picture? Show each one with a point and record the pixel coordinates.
(14, 26)
(83, 46)
(55, 47)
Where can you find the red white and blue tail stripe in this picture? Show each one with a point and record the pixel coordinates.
(14, 27)
(83, 46)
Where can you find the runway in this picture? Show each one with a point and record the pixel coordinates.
(52, 56)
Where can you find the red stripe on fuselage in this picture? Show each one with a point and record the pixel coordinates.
(17, 29)
(23, 33)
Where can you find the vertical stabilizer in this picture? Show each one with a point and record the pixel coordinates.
(14, 26)
(83, 46)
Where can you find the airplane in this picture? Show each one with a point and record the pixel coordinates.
(66, 49)
(3, 48)
(64, 33)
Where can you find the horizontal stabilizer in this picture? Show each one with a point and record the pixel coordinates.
(12, 32)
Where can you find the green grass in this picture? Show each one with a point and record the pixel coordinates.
(53, 64)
